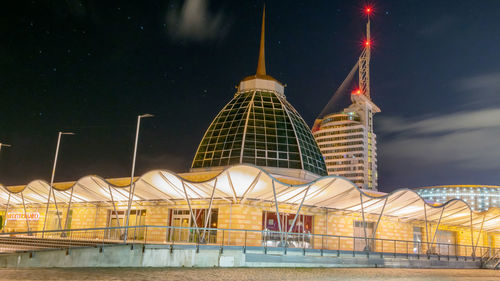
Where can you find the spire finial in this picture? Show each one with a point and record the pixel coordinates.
(261, 66)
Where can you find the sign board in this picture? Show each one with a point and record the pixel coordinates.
(34, 216)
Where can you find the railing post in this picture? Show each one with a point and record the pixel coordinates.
(70, 241)
(245, 248)
(353, 246)
(102, 241)
(198, 242)
(222, 243)
(382, 248)
(338, 247)
(304, 244)
(438, 251)
(322, 244)
(286, 242)
(448, 251)
(265, 243)
(407, 251)
(395, 249)
(419, 245)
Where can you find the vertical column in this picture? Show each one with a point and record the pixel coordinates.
(25, 213)
(367, 247)
(6, 211)
(277, 211)
(66, 226)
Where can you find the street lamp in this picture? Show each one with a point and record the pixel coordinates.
(52, 182)
(4, 144)
(132, 185)
(7, 208)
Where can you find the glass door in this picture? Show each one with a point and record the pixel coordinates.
(180, 218)
(115, 234)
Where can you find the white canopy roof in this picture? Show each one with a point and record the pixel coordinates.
(242, 183)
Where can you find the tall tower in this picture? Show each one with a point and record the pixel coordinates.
(346, 139)
(260, 127)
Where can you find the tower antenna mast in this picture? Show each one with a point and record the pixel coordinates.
(364, 59)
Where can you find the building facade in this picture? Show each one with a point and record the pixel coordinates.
(257, 179)
(348, 143)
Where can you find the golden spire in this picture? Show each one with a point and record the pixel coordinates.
(261, 66)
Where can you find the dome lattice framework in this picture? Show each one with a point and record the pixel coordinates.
(262, 128)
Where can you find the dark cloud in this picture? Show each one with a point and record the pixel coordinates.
(483, 89)
(438, 27)
(466, 140)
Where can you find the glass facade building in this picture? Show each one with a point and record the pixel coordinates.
(348, 143)
(479, 197)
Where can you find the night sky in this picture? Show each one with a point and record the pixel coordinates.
(91, 67)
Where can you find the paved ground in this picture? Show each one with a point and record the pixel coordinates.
(371, 274)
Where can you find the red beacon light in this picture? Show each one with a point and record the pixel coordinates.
(356, 92)
(368, 43)
(368, 10)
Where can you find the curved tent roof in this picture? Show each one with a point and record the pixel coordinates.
(242, 183)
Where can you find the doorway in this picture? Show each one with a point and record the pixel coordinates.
(54, 220)
(360, 243)
(180, 218)
(447, 242)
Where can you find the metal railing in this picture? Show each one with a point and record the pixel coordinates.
(255, 240)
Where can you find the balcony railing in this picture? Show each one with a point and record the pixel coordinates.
(254, 240)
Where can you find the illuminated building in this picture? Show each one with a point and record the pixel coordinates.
(257, 171)
(479, 197)
(346, 139)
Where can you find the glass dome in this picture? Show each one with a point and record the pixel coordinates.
(259, 127)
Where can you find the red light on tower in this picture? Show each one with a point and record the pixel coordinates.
(368, 43)
(356, 92)
(368, 10)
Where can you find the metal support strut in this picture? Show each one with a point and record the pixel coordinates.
(367, 247)
(277, 212)
(6, 211)
(25, 213)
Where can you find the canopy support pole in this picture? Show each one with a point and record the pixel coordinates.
(190, 209)
(367, 247)
(426, 231)
(209, 213)
(114, 208)
(479, 235)
(46, 212)
(25, 213)
(472, 236)
(230, 221)
(96, 212)
(437, 226)
(6, 211)
(68, 210)
(277, 212)
(57, 209)
(231, 185)
(298, 211)
(379, 217)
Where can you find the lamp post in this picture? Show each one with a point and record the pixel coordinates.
(8, 201)
(52, 180)
(132, 185)
(4, 144)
